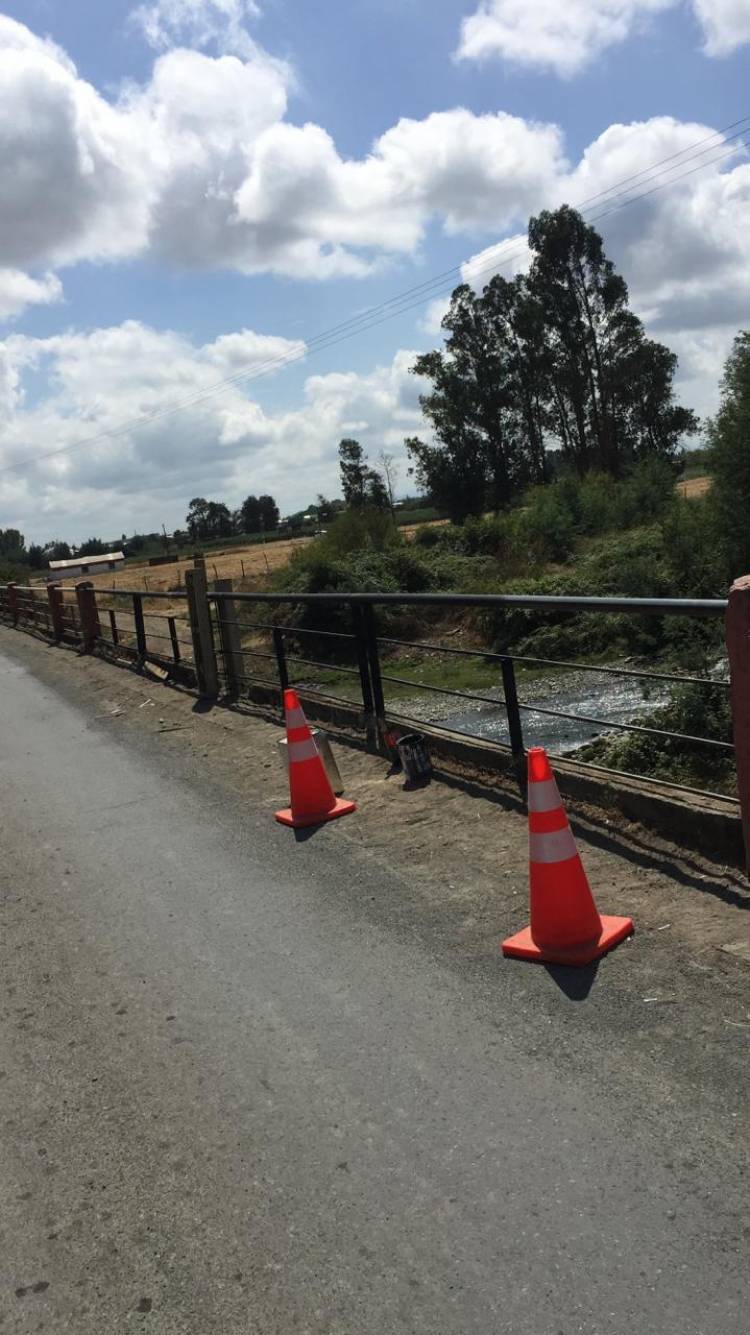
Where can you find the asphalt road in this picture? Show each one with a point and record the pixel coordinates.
(234, 1098)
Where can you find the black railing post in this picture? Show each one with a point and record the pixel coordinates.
(12, 595)
(360, 640)
(89, 615)
(514, 722)
(113, 626)
(56, 611)
(373, 659)
(140, 626)
(278, 646)
(173, 637)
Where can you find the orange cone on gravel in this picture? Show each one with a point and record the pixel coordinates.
(565, 926)
(312, 799)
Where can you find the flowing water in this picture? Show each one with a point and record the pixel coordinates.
(608, 698)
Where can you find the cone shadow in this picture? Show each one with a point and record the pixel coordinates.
(576, 983)
(306, 832)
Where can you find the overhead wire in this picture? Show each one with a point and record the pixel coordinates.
(432, 288)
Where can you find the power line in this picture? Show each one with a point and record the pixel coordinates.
(431, 288)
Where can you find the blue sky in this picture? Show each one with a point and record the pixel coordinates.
(198, 186)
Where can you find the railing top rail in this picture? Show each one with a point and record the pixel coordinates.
(141, 593)
(695, 607)
(680, 677)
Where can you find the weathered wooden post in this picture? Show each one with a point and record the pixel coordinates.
(54, 595)
(231, 640)
(139, 626)
(87, 611)
(12, 596)
(200, 629)
(738, 649)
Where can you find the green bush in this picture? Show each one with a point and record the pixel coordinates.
(13, 574)
(691, 552)
(429, 535)
(544, 528)
(631, 565)
(359, 530)
(698, 711)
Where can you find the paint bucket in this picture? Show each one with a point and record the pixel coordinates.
(415, 757)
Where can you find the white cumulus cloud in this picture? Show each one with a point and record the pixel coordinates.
(680, 248)
(566, 37)
(220, 444)
(18, 290)
(550, 35)
(201, 167)
(726, 24)
(198, 23)
(77, 183)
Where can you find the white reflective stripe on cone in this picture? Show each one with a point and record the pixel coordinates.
(557, 846)
(543, 796)
(305, 750)
(295, 718)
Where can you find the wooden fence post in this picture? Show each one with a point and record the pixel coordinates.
(139, 626)
(200, 629)
(738, 648)
(12, 603)
(54, 594)
(89, 615)
(231, 640)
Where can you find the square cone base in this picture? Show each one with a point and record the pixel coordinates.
(341, 808)
(522, 947)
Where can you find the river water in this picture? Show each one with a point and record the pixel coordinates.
(611, 699)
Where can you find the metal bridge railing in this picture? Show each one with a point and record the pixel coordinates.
(213, 642)
(366, 661)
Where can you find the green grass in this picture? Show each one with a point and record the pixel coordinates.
(424, 515)
(426, 668)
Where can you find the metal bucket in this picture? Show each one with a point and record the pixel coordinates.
(415, 757)
(326, 755)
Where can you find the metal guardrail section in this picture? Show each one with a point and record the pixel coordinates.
(372, 675)
(125, 621)
(142, 632)
(113, 619)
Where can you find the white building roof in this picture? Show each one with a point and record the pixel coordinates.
(78, 562)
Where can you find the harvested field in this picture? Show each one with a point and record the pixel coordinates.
(694, 486)
(251, 563)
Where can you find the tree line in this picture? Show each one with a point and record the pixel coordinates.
(207, 520)
(549, 364)
(13, 549)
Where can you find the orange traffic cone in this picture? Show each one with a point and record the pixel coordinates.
(565, 926)
(312, 797)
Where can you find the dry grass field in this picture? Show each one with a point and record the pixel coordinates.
(694, 486)
(249, 563)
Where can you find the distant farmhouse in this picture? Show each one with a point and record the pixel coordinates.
(84, 565)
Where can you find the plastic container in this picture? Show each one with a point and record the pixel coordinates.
(326, 755)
